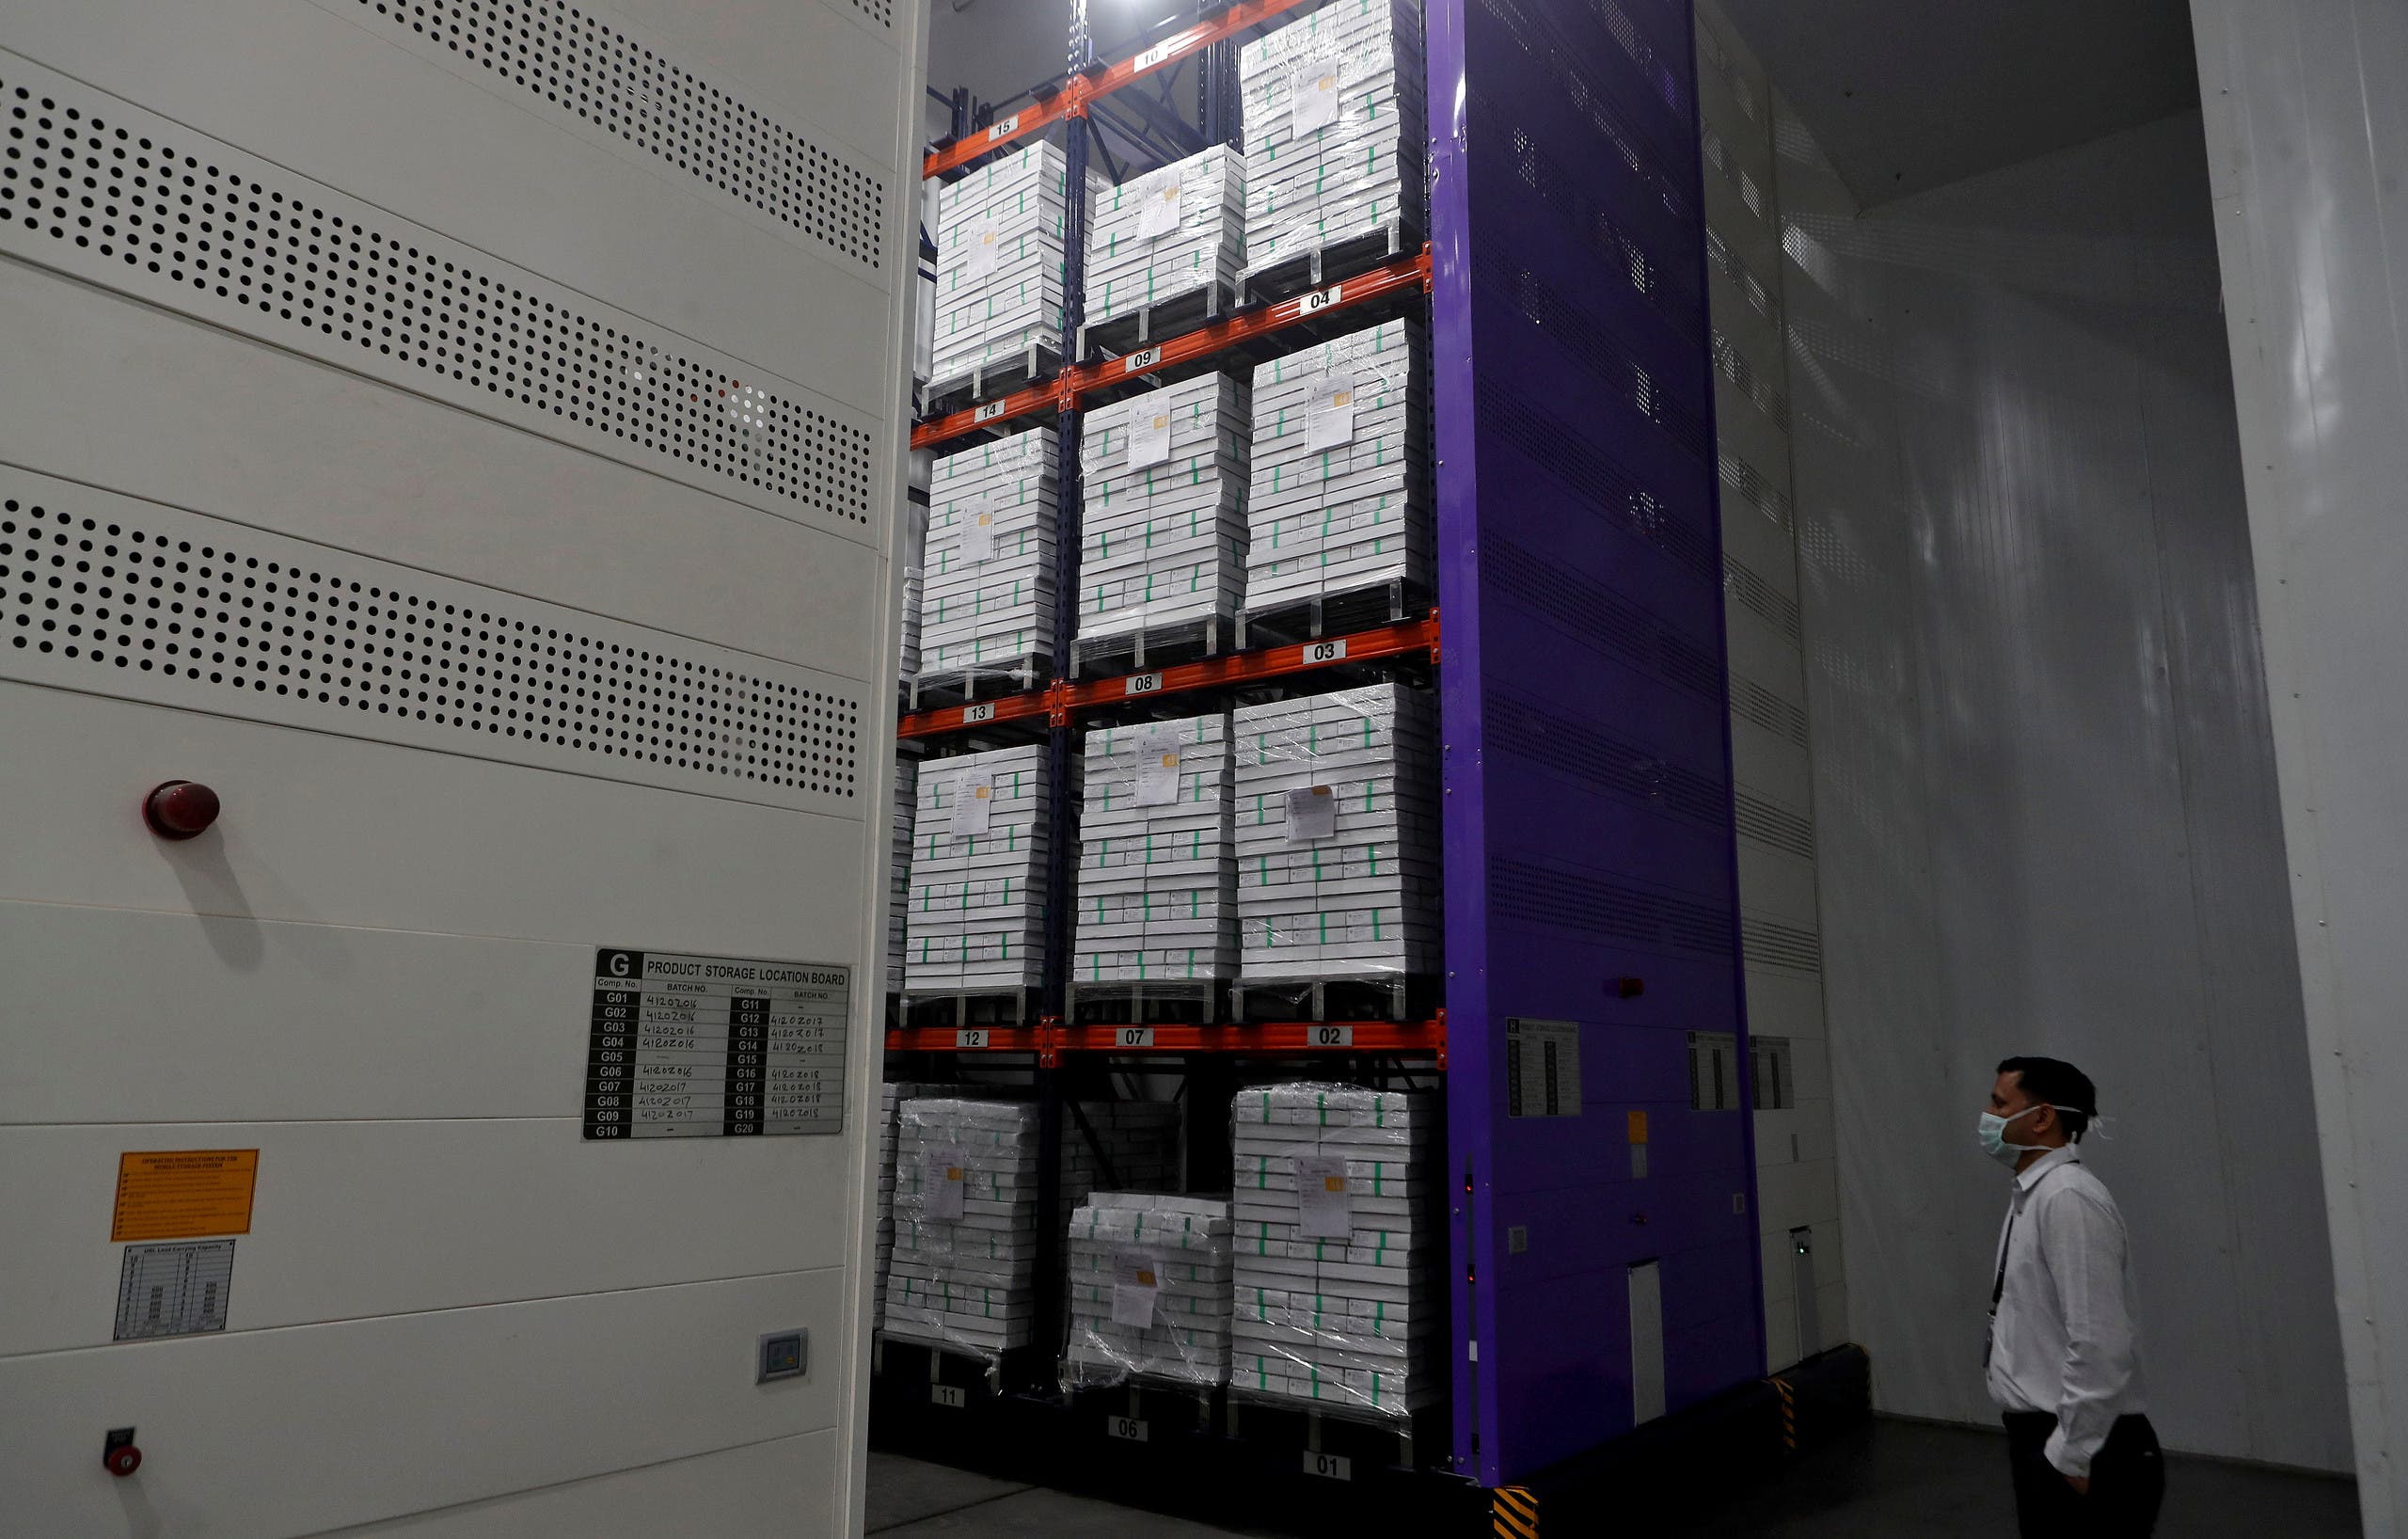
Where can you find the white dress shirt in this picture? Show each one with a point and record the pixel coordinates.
(2064, 1341)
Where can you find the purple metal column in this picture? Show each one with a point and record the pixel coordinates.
(1589, 834)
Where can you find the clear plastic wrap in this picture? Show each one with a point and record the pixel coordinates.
(961, 1274)
(1339, 1248)
(1338, 496)
(1163, 522)
(1335, 108)
(1337, 835)
(999, 261)
(1165, 232)
(1150, 1279)
(1157, 859)
(987, 573)
(979, 872)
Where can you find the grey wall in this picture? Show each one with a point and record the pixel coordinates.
(2043, 769)
(2307, 140)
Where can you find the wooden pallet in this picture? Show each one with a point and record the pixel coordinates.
(1147, 1002)
(1151, 646)
(1386, 996)
(958, 392)
(960, 1008)
(1302, 272)
(1168, 316)
(1335, 613)
(962, 685)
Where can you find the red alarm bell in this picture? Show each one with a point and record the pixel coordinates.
(119, 1457)
(180, 809)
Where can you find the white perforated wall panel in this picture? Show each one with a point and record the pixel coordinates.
(465, 435)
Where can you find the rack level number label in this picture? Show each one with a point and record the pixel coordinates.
(1320, 299)
(991, 410)
(970, 1038)
(1155, 54)
(1333, 651)
(1004, 128)
(972, 715)
(1133, 1036)
(1141, 360)
(1329, 1035)
(950, 1395)
(1331, 1467)
(1143, 684)
(1127, 1428)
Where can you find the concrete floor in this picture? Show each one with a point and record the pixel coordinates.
(1897, 1479)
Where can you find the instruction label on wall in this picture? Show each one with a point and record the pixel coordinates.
(174, 1289)
(182, 1194)
(1542, 1068)
(715, 1047)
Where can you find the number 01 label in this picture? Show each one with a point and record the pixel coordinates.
(1335, 1467)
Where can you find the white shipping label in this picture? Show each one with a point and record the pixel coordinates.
(1329, 412)
(986, 250)
(1312, 814)
(979, 532)
(1158, 204)
(941, 1180)
(1326, 1211)
(973, 802)
(1313, 89)
(1135, 1283)
(1148, 433)
(1156, 765)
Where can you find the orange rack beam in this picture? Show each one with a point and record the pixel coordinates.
(1049, 1040)
(1078, 91)
(1057, 701)
(1062, 393)
(1036, 1039)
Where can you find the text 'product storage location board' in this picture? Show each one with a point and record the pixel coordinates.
(715, 1047)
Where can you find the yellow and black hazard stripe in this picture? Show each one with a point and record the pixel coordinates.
(1788, 1414)
(1514, 1512)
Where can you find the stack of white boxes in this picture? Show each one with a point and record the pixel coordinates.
(999, 263)
(962, 1272)
(1163, 522)
(965, 1224)
(987, 582)
(1149, 1291)
(1334, 141)
(1165, 233)
(1157, 865)
(898, 875)
(890, 1103)
(1337, 836)
(1337, 1249)
(978, 874)
(1340, 496)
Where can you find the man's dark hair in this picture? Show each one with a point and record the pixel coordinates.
(2062, 1085)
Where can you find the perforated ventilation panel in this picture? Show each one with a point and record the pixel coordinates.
(1526, 893)
(1593, 472)
(1591, 614)
(577, 64)
(880, 11)
(118, 596)
(111, 194)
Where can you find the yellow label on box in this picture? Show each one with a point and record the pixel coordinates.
(183, 1194)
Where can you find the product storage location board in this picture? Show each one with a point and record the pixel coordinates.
(715, 1047)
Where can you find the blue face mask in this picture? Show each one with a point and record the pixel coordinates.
(1992, 1131)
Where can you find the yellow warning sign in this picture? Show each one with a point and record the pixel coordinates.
(182, 1194)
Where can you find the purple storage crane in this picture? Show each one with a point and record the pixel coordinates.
(1603, 1250)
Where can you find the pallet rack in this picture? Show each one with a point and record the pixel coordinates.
(1590, 852)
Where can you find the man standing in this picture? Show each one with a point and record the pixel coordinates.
(2063, 1355)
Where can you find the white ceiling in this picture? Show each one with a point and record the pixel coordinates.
(1906, 95)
